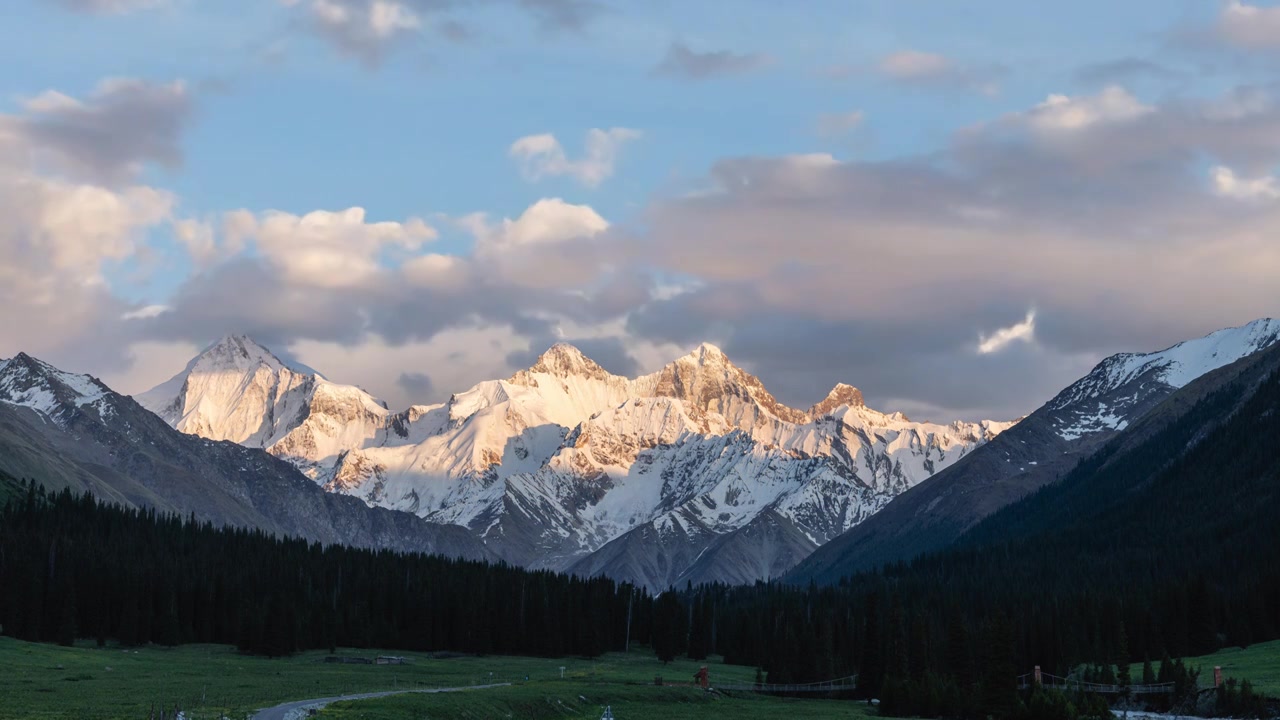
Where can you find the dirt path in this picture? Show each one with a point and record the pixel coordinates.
(298, 708)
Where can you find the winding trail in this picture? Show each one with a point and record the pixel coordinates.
(299, 708)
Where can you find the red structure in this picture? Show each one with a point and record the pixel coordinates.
(702, 678)
(1217, 676)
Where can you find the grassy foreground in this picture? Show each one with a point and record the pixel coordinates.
(556, 700)
(1259, 664)
(42, 682)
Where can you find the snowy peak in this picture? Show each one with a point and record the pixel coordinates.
(33, 383)
(242, 353)
(1186, 361)
(707, 380)
(1123, 386)
(840, 396)
(1176, 366)
(238, 390)
(564, 360)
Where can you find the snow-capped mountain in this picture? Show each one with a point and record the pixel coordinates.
(28, 382)
(72, 431)
(238, 390)
(1105, 400)
(555, 462)
(1038, 450)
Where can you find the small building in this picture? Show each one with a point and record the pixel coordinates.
(391, 660)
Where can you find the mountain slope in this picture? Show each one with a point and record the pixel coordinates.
(561, 459)
(238, 390)
(1035, 452)
(71, 431)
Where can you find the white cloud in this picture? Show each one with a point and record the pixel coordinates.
(543, 156)
(57, 236)
(455, 359)
(1227, 184)
(145, 312)
(198, 238)
(106, 138)
(1024, 331)
(360, 28)
(112, 7)
(550, 220)
(323, 248)
(72, 209)
(915, 65)
(436, 270)
(1252, 27)
(840, 123)
(1061, 113)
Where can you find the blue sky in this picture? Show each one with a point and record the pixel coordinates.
(284, 108)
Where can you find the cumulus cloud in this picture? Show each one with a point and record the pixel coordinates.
(1097, 206)
(367, 30)
(543, 156)
(1024, 331)
(73, 209)
(683, 61)
(109, 136)
(1250, 27)
(551, 220)
(1227, 184)
(364, 29)
(325, 248)
(1061, 113)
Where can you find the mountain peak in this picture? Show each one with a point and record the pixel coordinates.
(708, 354)
(565, 360)
(841, 395)
(34, 383)
(241, 352)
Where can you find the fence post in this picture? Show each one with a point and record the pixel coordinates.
(1037, 674)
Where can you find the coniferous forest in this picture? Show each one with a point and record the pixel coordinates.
(1147, 551)
(72, 567)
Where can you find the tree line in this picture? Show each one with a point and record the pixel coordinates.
(74, 567)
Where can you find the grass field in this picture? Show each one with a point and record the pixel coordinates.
(554, 700)
(47, 681)
(1259, 664)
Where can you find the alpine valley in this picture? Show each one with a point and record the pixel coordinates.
(693, 473)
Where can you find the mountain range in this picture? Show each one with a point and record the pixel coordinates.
(72, 432)
(694, 473)
(1118, 393)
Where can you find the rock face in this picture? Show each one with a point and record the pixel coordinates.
(71, 431)
(238, 390)
(1037, 451)
(566, 466)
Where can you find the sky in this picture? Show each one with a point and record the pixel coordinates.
(959, 208)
